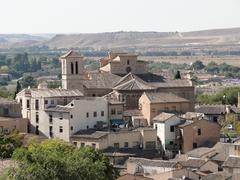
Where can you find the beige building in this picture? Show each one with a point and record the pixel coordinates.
(152, 104)
(143, 138)
(122, 73)
(196, 133)
(11, 118)
(122, 63)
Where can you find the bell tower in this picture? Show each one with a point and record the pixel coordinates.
(72, 70)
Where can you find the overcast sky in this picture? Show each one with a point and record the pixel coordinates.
(88, 16)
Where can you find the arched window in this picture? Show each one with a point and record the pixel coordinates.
(76, 66)
(72, 68)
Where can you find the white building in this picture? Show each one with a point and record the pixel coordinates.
(35, 101)
(84, 113)
(165, 124)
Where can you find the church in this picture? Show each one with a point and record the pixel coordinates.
(122, 77)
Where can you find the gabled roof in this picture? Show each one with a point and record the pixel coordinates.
(71, 54)
(232, 162)
(159, 97)
(162, 117)
(59, 109)
(193, 163)
(132, 82)
(211, 109)
(200, 152)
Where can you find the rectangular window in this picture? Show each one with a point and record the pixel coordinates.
(113, 111)
(116, 145)
(171, 128)
(50, 119)
(94, 145)
(71, 128)
(156, 126)
(102, 113)
(5, 111)
(45, 101)
(75, 144)
(94, 114)
(60, 129)
(71, 116)
(50, 131)
(37, 130)
(126, 144)
(87, 114)
(194, 145)
(199, 132)
(21, 102)
(37, 117)
(60, 116)
(28, 103)
(52, 101)
(37, 104)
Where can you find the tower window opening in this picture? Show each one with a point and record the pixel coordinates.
(72, 67)
(76, 64)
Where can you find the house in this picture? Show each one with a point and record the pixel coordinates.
(135, 117)
(11, 118)
(82, 113)
(140, 138)
(196, 133)
(165, 124)
(232, 165)
(133, 177)
(122, 73)
(216, 112)
(151, 104)
(234, 149)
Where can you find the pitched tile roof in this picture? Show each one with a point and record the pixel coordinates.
(133, 177)
(51, 92)
(132, 112)
(218, 176)
(211, 109)
(132, 82)
(159, 97)
(71, 54)
(59, 109)
(150, 162)
(232, 162)
(200, 152)
(101, 80)
(162, 117)
(173, 83)
(193, 163)
(90, 133)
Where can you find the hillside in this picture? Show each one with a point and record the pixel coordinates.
(145, 39)
(124, 40)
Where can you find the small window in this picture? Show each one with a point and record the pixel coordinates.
(46, 102)
(113, 111)
(171, 142)
(126, 144)
(95, 114)
(93, 95)
(71, 116)
(94, 145)
(37, 104)
(194, 145)
(28, 103)
(50, 118)
(87, 114)
(75, 144)
(82, 144)
(37, 117)
(37, 130)
(52, 101)
(60, 116)
(50, 131)
(60, 129)
(102, 113)
(71, 128)
(128, 62)
(116, 145)
(156, 126)
(171, 128)
(21, 102)
(199, 132)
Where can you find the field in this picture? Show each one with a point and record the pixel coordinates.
(231, 60)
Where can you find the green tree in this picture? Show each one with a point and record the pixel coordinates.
(27, 81)
(8, 143)
(177, 75)
(56, 159)
(198, 65)
(18, 89)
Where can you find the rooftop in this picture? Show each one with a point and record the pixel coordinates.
(150, 162)
(232, 162)
(59, 109)
(200, 152)
(193, 163)
(71, 54)
(159, 97)
(162, 117)
(211, 109)
(50, 93)
(132, 112)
